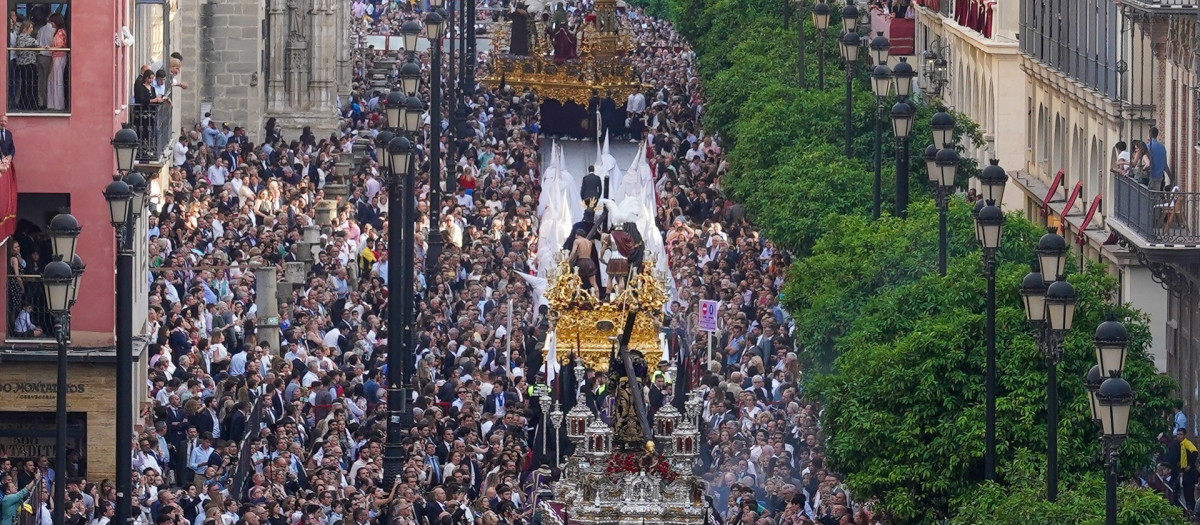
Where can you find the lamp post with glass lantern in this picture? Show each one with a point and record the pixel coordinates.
(943, 179)
(1111, 399)
(59, 283)
(881, 84)
(820, 14)
(902, 121)
(851, 43)
(1050, 307)
(435, 22)
(989, 225)
(1115, 399)
(126, 198)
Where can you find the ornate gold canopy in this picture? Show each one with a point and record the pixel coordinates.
(589, 326)
(603, 65)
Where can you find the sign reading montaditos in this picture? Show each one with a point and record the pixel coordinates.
(38, 389)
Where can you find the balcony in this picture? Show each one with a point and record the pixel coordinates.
(28, 317)
(1165, 224)
(37, 83)
(1182, 7)
(153, 126)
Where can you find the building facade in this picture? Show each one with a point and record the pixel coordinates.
(62, 122)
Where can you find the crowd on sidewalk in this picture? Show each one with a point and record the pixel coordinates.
(305, 422)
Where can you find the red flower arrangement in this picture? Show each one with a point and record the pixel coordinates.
(618, 465)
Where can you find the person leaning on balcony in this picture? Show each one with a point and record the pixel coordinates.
(1122, 165)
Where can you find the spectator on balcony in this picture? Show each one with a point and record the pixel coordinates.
(161, 90)
(8, 148)
(1139, 167)
(26, 73)
(1158, 160)
(24, 327)
(1122, 166)
(56, 94)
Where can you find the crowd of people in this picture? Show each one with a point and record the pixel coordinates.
(237, 432)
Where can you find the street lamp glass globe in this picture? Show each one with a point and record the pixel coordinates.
(1115, 397)
(400, 152)
(411, 31)
(381, 143)
(125, 144)
(1092, 381)
(1111, 340)
(992, 180)
(904, 73)
(902, 119)
(989, 226)
(1033, 295)
(77, 268)
(410, 77)
(930, 157)
(434, 21)
(947, 163)
(395, 108)
(879, 48)
(137, 184)
(1060, 306)
(118, 195)
(850, 18)
(942, 125)
(1052, 256)
(881, 80)
(820, 15)
(413, 114)
(57, 278)
(850, 44)
(64, 231)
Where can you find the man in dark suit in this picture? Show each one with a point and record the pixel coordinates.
(237, 422)
(591, 188)
(435, 504)
(204, 419)
(498, 402)
(7, 147)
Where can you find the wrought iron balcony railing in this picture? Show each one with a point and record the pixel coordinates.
(153, 126)
(1159, 217)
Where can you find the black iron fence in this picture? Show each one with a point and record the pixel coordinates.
(153, 126)
(28, 316)
(1159, 217)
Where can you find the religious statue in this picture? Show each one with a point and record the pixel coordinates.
(296, 14)
(565, 44)
(518, 43)
(560, 16)
(626, 423)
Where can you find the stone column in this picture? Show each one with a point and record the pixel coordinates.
(268, 307)
(276, 41)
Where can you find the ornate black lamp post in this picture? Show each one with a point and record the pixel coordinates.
(851, 43)
(60, 285)
(820, 14)
(989, 224)
(1111, 401)
(1050, 308)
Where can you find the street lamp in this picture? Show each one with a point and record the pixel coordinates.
(989, 226)
(992, 181)
(1092, 381)
(943, 180)
(126, 198)
(1115, 398)
(125, 144)
(942, 125)
(434, 23)
(902, 120)
(400, 228)
(879, 48)
(820, 15)
(881, 81)
(1052, 315)
(394, 107)
(850, 45)
(58, 283)
(904, 74)
(1111, 340)
(850, 18)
